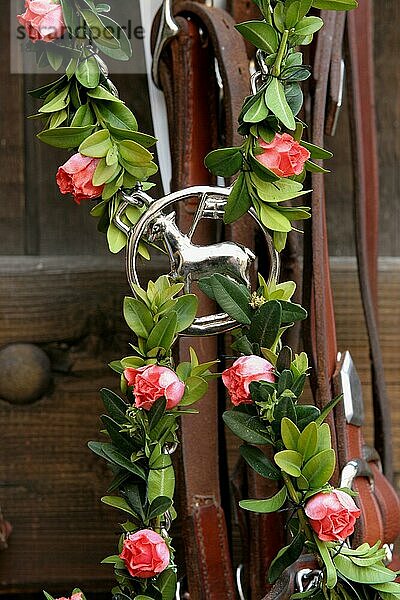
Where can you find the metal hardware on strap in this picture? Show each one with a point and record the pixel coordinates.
(308, 579)
(239, 585)
(358, 467)
(352, 391)
(167, 30)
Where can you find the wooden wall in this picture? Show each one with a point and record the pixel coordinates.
(36, 222)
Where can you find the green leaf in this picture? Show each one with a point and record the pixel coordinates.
(124, 50)
(166, 583)
(331, 575)
(163, 334)
(292, 14)
(82, 117)
(278, 191)
(257, 460)
(100, 93)
(273, 219)
(308, 26)
(156, 412)
(279, 16)
(186, 310)
(138, 317)
(115, 406)
(294, 97)
(88, 72)
(104, 172)
(137, 136)
(97, 145)
(292, 312)
(335, 4)
(232, 297)
(286, 557)
(116, 238)
(248, 428)
(306, 414)
(134, 153)
(239, 201)
(196, 388)
(277, 103)
(161, 482)
(117, 502)
(65, 137)
(118, 438)
(307, 442)
(117, 115)
(317, 152)
(289, 461)
(320, 468)
(265, 324)
(285, 408)
(305, 7)
(99, 31)
(262, 35)
(158, 507)
(324, 437)
(257, 111)
(328, 409)
(47, 596)
(269, 505)
(224, 162)
(314, 168)
(118, 459)
(59, 102)
(373, 574)
(290, 434)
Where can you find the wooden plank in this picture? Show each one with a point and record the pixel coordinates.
(12, 201)
(50, 484)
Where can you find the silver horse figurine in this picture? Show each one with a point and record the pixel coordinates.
(190, 262)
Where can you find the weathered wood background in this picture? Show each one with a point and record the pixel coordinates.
(60, 289)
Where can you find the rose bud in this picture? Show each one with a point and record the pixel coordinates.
(153, 382)
(43, 20)
(332, 515)
(244, 370)
(75, 177)
(145, 554)
(283, 156)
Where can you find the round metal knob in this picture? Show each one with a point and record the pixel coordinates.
(25, 373)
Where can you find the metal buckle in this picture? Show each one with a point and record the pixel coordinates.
(167, 30)
(308, 579)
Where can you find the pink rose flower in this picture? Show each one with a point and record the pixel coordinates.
(43, 20)
(332, 515)
(153, 382)
(244, 370)
(283, 156)
(145, 554)
(77, 596)
(75, 177)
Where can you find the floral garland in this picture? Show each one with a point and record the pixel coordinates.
(82, 110)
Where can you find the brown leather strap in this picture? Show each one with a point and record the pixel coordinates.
(347, 439)
(244, 10)
(189, 81)
(366, 201)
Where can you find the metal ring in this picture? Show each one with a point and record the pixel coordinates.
(211, 324)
